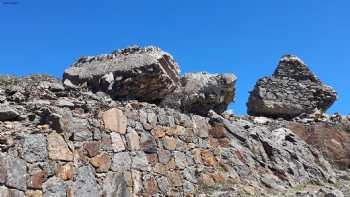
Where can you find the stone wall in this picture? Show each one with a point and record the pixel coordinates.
(65, 142)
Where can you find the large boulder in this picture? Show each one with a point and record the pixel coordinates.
(292, 90)
(146, 74)
(201, 92)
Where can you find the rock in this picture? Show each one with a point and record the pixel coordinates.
(180, 159)
(139, 161)
(164, 156)
(16, 172)
(7, 113)
(261, 120)
(55, 186)
(121, 162)
(332, 141)
(16, 193)
(148, 143)
(292, 90)
(66, 172)
(92, 148)
(169, 143)
(33, 193)
(150, 184)
(201, 126)
(85, 183)
(34, 148)
(175, 178)
(117, 142)
(201, 92)
(325, 192)
(58, 149)
(101, 162)
(4, 191)
(65, 103)
(163, 184)
(114, 185)
(37, 180)
(146, 74)
(208, 158)
(80, 130)
(205, 180)
(133, 140)
(115, 120)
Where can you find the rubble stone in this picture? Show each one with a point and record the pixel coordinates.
(115, 120)
(58, 148)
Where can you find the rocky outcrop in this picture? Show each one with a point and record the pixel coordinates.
(291, 91)
(95, 146)
(150, 74)
(146, 74)
(332, 140)
(202, 92)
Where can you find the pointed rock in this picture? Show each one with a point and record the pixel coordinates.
(291, 91)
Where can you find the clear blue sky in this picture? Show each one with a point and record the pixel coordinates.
(244, 37)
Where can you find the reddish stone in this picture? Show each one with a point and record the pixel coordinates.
(152, 159)
(38, 179)
(92, 148)
(217, 131)
(150, 184)
(208, 158)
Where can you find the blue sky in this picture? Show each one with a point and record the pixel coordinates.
(244, 37)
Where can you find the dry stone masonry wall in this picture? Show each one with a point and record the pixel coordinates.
(87, 137)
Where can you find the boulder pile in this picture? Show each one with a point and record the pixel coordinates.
(291, 91)
(152, 75)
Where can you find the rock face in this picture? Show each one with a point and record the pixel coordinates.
(146, 74)
(332, 141)
(292, 90)
(77, 150)
(201, 92)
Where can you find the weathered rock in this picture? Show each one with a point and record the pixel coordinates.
(92, 148)
(85, 183)
(102, 162)
(55, 186)
(7, 113)
(121, 162)
(4, 191)
(58, 148)
(16, 172)
(35, 148)
(37, 180)
(201, 92)
(66, 172)
(36, 193)
(115, 120)
(117, 142)
(115, 185)
(139, 161)
(143, 73)
(292, 90)
(332, 141)
(133, 140)
(148, 143)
